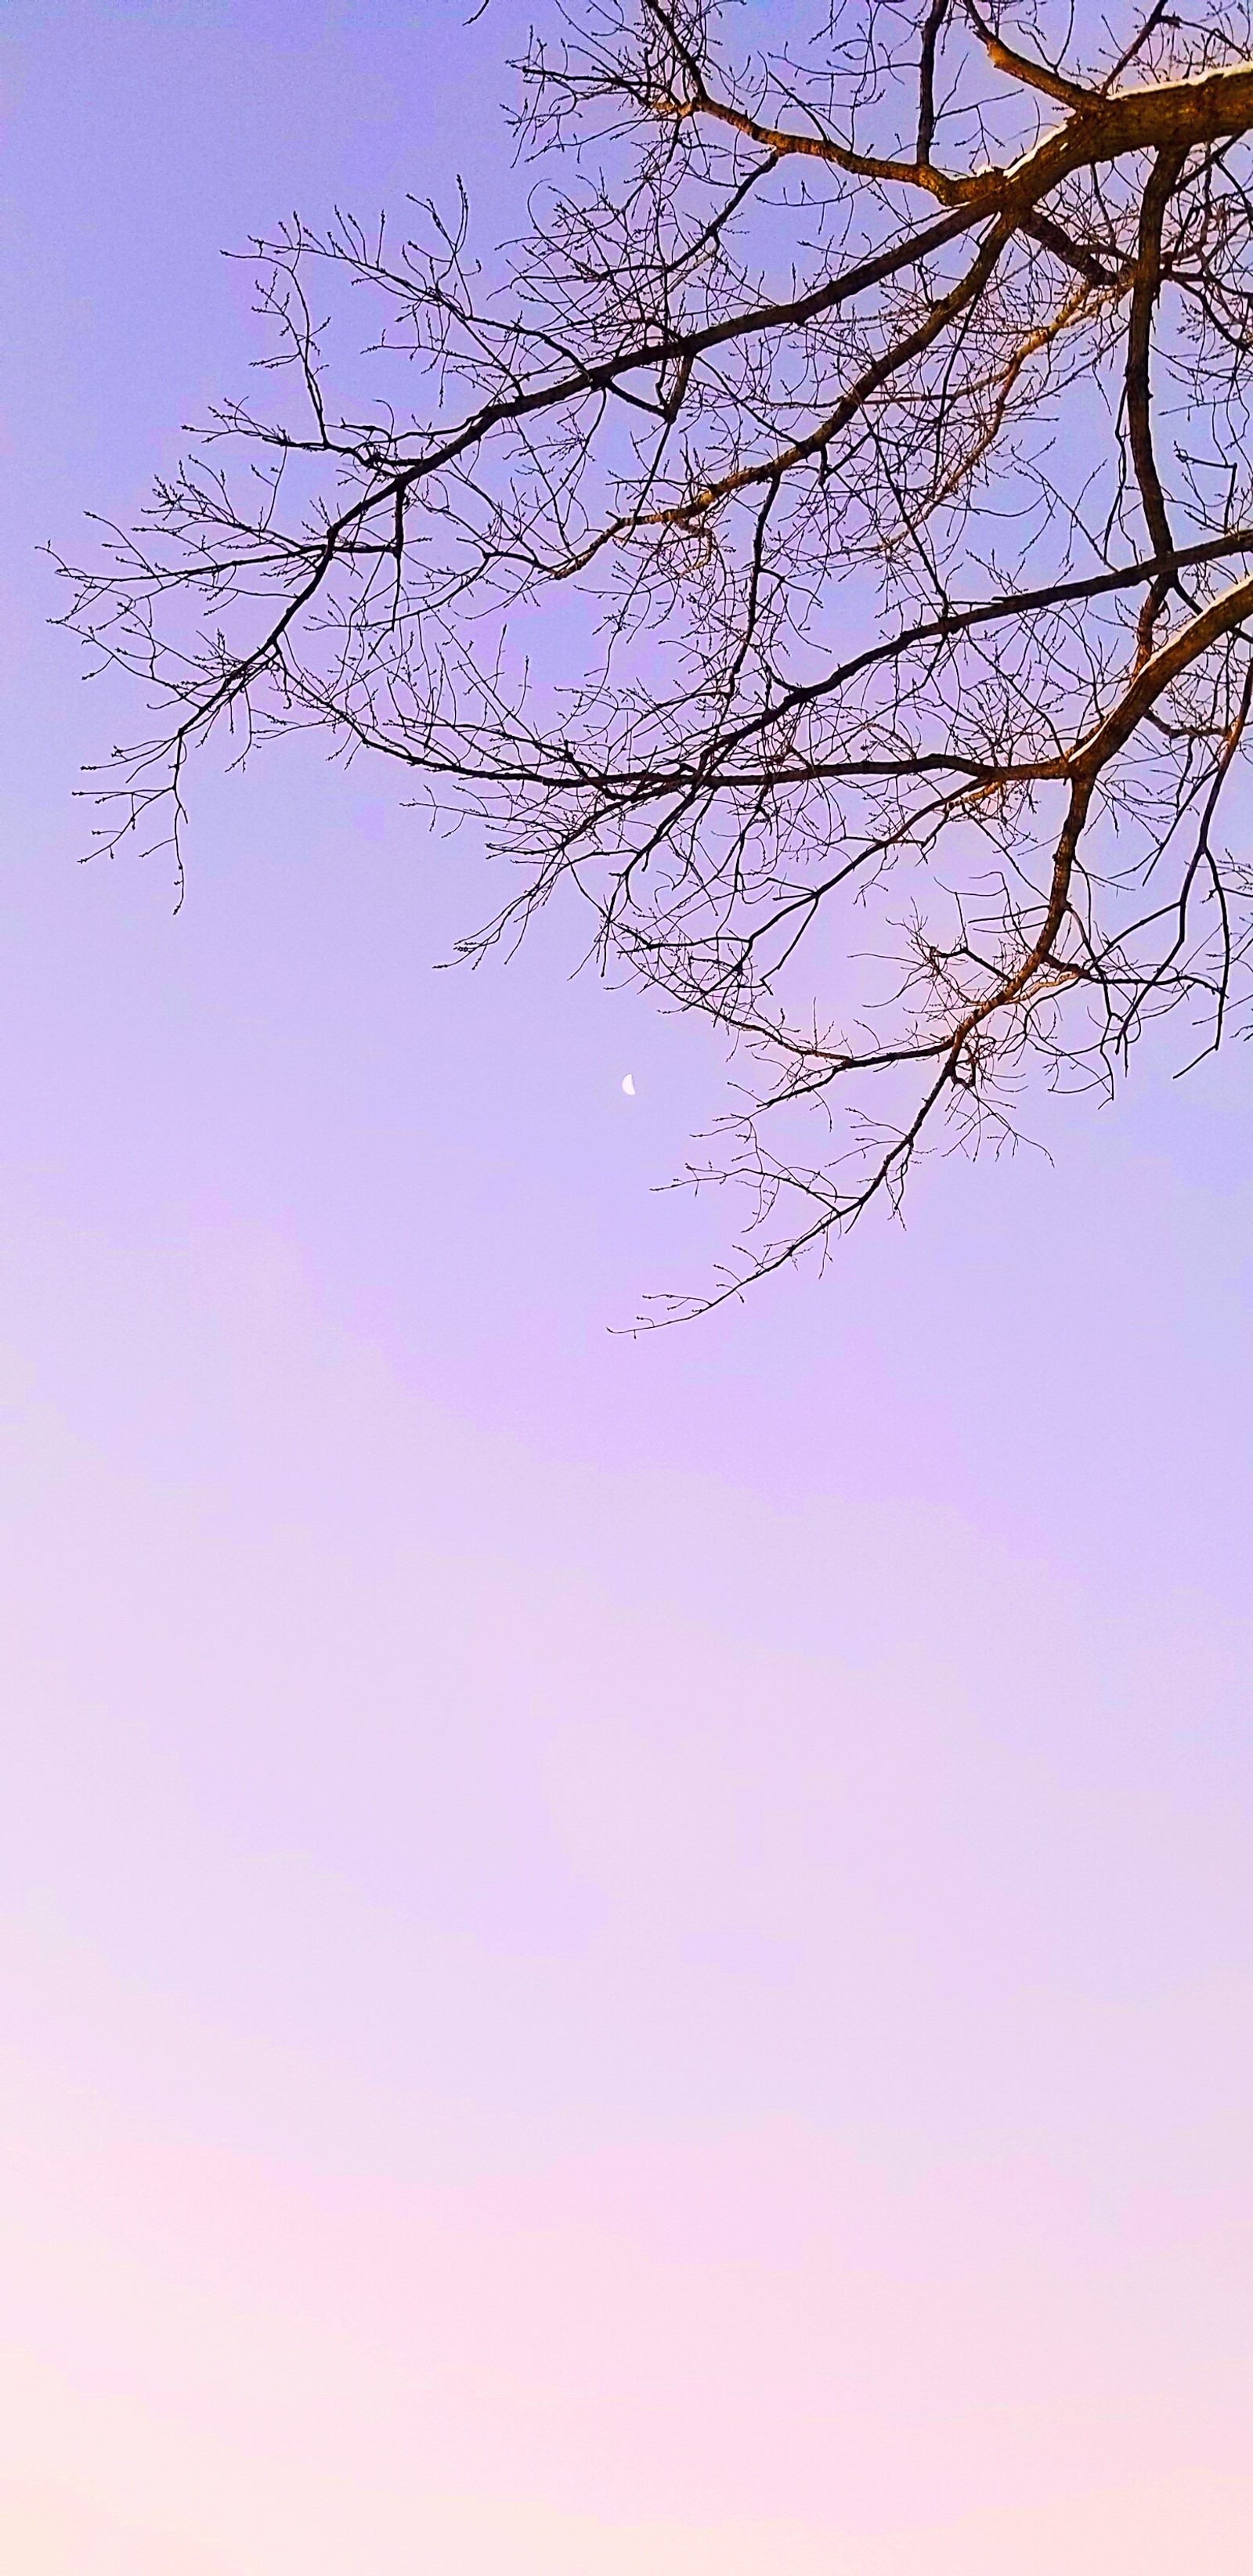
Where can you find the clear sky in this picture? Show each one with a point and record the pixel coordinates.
(615, 1954)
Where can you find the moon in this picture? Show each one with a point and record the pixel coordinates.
(628, 1085)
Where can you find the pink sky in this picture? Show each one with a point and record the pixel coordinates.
(615, 1954)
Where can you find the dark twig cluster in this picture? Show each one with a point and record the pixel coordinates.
(826, 543)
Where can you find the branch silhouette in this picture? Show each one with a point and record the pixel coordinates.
(848, 601)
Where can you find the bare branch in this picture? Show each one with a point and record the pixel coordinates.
(823, 549)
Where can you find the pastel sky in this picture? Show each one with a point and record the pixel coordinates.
(616, 1954)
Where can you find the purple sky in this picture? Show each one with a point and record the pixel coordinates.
(615, 1953)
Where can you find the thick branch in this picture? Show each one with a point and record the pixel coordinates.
(1165, 175)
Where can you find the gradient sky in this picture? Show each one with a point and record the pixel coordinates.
(616, 1954)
